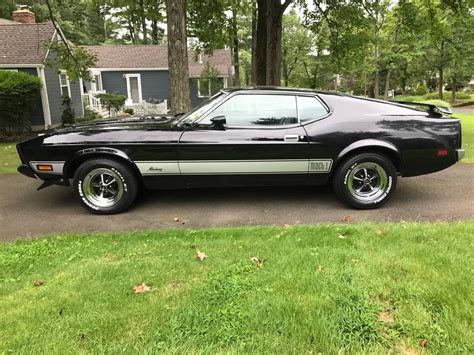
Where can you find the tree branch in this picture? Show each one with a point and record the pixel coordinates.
(285, 5)
(61, 35)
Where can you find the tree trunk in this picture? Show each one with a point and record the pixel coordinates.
(154, 31)
(285, 71)
(387, 84)
(440, 83)
(269, 28)
(178, 56)
(235, 49)
(143, 21)
(253, 64)
(441, 74)
(376, 73)
(274, 28)
(453, 93)
(261, 47)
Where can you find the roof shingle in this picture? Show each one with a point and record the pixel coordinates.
(22, 43)
(154, 57)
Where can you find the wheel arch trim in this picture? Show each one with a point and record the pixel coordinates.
(89, 153)
(367, 144)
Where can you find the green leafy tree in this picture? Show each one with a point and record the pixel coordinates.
(296, 45)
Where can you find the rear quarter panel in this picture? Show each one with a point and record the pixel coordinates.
(416, 136)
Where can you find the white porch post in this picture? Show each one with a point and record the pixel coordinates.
(44, 98)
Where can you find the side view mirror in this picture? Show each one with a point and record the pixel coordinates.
(218, 121)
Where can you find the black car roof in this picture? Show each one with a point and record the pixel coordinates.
(280, 88)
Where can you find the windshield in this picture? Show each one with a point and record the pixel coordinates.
(194, 115)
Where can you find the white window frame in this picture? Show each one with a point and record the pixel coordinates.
(68, 84)
(200, 95)
(96, 85)
(129, 94)
(209, 94)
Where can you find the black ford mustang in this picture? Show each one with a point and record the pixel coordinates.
(254, 136)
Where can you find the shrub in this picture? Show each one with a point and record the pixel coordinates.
(68, 116)
(129, 111)
(421, 89)
(112, 101)
(89, 115)
(432, 96)
(460, 95)
(19, 93)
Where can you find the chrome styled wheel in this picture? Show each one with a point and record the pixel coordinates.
(102, 187)
(367, 181)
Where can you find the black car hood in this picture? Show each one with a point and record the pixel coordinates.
(128, 130)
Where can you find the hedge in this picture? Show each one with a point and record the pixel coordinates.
(112, 101)
(19, 93)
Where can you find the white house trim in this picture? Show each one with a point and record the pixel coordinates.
(13, 66)
(81, 89)
(128, 69)
(50, 43)
(44, 98)
(139, 82)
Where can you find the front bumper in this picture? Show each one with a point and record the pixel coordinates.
(459, 154)
(26, 170)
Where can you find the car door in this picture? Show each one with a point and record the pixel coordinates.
(261, 142)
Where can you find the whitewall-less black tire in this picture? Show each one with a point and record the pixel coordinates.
(365, 181)
(105, 186)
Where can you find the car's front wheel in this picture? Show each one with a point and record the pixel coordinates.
(365, 181)
(105, 186)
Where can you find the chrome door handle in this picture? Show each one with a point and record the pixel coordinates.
(291, 138)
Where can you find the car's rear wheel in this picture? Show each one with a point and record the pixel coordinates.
(105, 186)
(365, 181)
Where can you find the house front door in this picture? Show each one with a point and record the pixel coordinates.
(134, 94)
(134, 91)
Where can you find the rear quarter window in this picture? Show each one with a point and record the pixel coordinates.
(310, 108)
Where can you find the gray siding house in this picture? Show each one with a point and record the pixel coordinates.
(24, 46)
(140, 72)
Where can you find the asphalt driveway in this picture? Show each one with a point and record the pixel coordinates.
(25, 212)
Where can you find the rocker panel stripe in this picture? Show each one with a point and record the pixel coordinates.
(234, 167)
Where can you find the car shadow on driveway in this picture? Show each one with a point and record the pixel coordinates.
(24, 212)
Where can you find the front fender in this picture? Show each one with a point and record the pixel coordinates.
(368, 143)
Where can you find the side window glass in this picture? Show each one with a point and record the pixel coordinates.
(310, 108)
(257, 110)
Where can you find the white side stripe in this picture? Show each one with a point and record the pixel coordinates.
(158, 167)
(223, 167)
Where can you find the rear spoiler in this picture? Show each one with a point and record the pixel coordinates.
(432, 108)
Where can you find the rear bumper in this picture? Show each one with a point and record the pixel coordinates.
(459, 154)
(26, 170)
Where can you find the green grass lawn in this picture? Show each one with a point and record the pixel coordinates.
(9, 159)
(327, 288)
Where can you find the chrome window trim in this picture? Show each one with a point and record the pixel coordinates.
(271, 92)
(242, 92)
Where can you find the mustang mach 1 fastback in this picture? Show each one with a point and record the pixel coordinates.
(249, 137)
